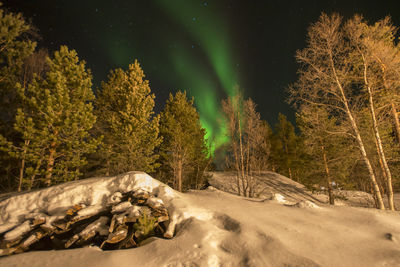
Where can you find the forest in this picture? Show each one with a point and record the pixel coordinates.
(56, 127)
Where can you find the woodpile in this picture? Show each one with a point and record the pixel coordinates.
(124, 222)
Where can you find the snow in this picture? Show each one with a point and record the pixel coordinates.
(154, 202)
(91, 210)
(214, 228)
(97, 226)
(121, 207)
(279, 198)
(90, 192)
(7, 226)
(18, 231)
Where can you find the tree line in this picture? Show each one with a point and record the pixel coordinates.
(346, 99)
(53, 128)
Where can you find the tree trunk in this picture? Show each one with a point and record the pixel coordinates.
(22, 168)
(358, 139)
(77, 175)
(244, 188)
(237, 167)
(381, 152)
(179, 176)
(392, 105)
(328, 178)
(50, 166)
(8, 175)
(396, 120)
(32, 180)
(385, 179)
(366, 160)
(197, 177)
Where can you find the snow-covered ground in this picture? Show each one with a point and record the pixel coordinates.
(271, 183)
(215, 228)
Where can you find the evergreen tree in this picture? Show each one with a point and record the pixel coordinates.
(184, 151)
(330, 155)
(285, 148)
(54, 122)
(15, 47)
(127, 122)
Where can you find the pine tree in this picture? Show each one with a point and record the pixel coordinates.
(184, 151)
(54, 122)
(16, 46)
(127, 122)
(285, 148)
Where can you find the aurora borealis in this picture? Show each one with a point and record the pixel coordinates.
(209, 32)
(203, 47)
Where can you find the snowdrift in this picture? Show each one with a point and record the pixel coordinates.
(271, 184)
(215, 228)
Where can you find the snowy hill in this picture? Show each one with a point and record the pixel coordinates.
(215, 228)
(268, 185)
(271, 184)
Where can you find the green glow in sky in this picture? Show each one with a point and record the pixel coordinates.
(210, 35)
(205, 95)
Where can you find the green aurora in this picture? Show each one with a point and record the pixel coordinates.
(207, 30)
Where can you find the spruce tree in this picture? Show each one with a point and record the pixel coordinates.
(184, 151)
(284, 146)
(287, 150)
(127, 122)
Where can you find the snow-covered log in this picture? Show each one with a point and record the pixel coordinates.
(113, 212)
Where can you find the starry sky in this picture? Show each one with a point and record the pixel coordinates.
(205, 47)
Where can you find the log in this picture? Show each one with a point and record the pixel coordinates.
(124, 222)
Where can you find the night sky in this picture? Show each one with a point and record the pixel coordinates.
(204, 47)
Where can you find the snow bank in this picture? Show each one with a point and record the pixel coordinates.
(214, 228)
(93, 192)
(269, 185)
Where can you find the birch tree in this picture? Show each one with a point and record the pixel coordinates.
(326, 80)
(375, 58)
(249, 142)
